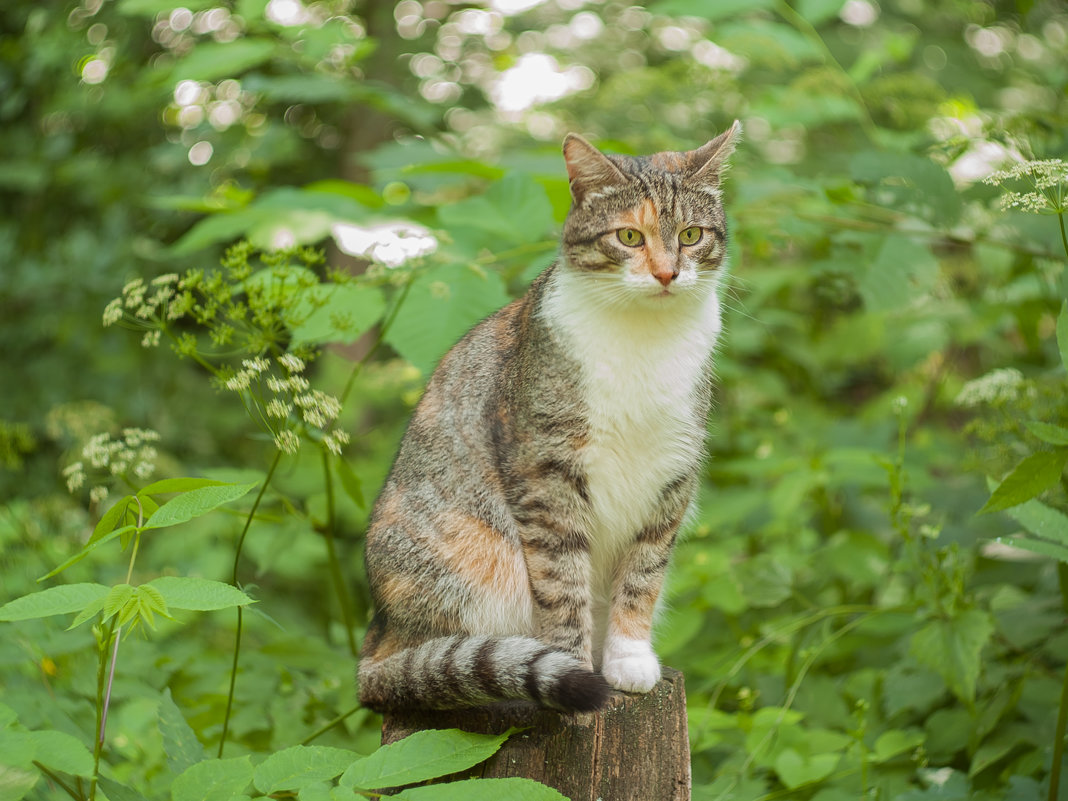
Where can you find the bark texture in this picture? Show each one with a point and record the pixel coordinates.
(634, 749)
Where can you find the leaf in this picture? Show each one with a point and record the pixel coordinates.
(1040, 547)
(198, 594)
(721, 9)
(795, 769)
(196, 503)
(89, 548)
(334, 313)
(168, 485)
(1062, 333)
(213, 780)
(180, 743)
(896, 742)
(513, 211)
(118, 792)
(112, 518)
(902, 271)
(951, 648)
(293, 768)
(441, 307)
(1041, 520)
(1032, 476)
(210, 61)
(1054, 435)
(421, 756)
(150, 8)
(510, 789)
(62, 752)
(53, 601)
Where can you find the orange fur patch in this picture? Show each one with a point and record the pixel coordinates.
(671, 162)
(654, 257)
(632, 623)
(475, 551)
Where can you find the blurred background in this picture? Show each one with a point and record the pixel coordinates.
(848, 625)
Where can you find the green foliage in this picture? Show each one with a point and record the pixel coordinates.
(893, 363)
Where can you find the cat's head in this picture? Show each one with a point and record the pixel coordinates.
(652, 224)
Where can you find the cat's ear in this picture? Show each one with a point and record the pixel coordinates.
(588, 169)
(707, 161)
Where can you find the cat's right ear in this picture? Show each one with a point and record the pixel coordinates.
(589, 171)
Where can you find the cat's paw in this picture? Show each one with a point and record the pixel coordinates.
(630, 665)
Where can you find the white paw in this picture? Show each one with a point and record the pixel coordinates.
(630, 665)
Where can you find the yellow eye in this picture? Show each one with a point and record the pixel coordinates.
(691, 236)
(630, 237)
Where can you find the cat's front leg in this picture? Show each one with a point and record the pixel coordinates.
(558, 568)
(628, 662)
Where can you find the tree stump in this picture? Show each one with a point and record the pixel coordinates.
(634, 749)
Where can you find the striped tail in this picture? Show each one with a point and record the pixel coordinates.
(463, 670)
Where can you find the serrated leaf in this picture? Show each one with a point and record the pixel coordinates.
(62, 752)
(196, 503)
(1032, 476)
(421, 756)
(1040, 547)
(53, 601)
(441, 307)
(896, 742)
(113, 518)
(117, 599)
(213, 780)
(168, 485)
(198, 594)
(180, 743)
(1054, 435)
(302, 765)
(513, 211)
(510, 789)
(951, 648)
(1041, 520)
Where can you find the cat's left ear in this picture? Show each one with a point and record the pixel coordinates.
(707, 161)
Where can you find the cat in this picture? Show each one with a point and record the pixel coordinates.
(519, 544)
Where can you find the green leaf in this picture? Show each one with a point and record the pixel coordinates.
(113, 518)
(1040, 547)
(1062, 333)
(89, 548)
(421, 756)
(213, 780)
(150, 8)
(180, 743)
(721, 9)
(62, 752)
(1032, 476)
(896, 742)
(796, 769)
(819, 11)
(53, 601)
(293, 768)
(334, 313)
(196, 503)
(951, 648)
(441, 307)
(1041, 520)
(198, 594)
(168, 485)
(902, 271)
(513, 211)
(118, 792)
(210, 61)
(351, 482)
(1054, 435)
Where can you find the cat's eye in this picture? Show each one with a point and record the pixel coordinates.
(630, 237)
(691, 235)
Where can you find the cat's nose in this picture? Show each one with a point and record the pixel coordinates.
(665, 274)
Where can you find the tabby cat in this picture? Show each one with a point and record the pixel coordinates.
(519, 544)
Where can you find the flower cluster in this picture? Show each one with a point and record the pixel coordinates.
(131, 455)
(1048, 177)
(286, 401)
(996, 387)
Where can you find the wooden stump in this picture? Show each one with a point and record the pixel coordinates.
(634, 749)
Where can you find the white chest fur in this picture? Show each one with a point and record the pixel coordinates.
(642, 360)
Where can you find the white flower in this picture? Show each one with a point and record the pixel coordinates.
(150, 339)
(389, 243)
(255, 366)
(336, 440)
(97, 494)
(287, 441)
(997, 386)
(292, 363)
(113, 312)
(238, 382)
(276, 408)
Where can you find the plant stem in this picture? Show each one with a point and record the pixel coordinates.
(103, 687)
(52, 777)
(382, 331)
(1062, 709)
(1064, 237)
(336, 574)
(240, 610)
(324, 729)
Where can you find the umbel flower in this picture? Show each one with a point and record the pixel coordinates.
(1048, 179)
(131, 457)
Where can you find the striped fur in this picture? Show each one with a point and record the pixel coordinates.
(519, 544)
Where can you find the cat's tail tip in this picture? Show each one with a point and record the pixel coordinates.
(580, 690)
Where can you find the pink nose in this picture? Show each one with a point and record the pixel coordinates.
(665, 275)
